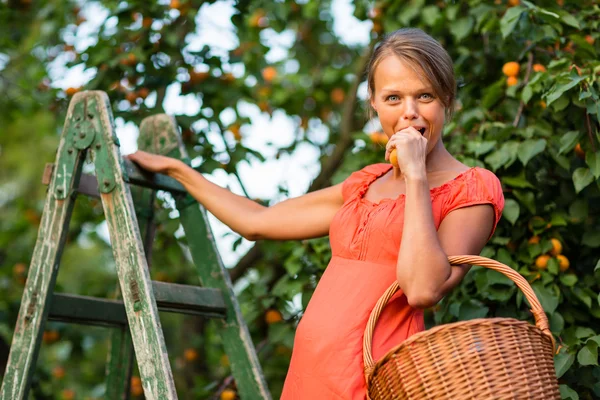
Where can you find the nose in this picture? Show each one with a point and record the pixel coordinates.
(410, 111)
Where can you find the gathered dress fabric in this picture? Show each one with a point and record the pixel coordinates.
(365, 238)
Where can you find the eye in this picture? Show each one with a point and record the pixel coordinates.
(427, 96)
(392, 97)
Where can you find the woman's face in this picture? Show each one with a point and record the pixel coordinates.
(402, 98)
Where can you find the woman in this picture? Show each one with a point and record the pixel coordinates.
(385, 222)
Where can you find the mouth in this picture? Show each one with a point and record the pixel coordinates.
(421, 129)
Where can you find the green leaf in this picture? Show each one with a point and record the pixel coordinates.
(596, 268)
(526, 94)
(511, 210)
(582, 177)
(568, 141)
(430, 15)
(591, 239)
(527, 199)
(569, 19)
(593, 161)
(519, 181)
(579, 209)
(548, 300)
(480, 148)
(582, 332)
(530, 148)
(557, 91)
(461, 28)
(492, 94)
(472, 309)
(510, 19)
(562, 362)
(566, 393)
(504, 156)
(588, 355)
(568, 279)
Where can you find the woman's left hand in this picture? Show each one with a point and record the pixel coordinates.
(411, 149)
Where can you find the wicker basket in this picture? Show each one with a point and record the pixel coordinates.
(485, 358)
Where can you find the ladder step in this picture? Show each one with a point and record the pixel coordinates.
(88, 184)
(138, 176)
(170, 297)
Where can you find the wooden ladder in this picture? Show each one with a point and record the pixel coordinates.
(89, 127)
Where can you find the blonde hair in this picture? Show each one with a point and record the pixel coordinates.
(423, 53)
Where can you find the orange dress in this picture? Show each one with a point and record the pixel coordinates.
(365, 237)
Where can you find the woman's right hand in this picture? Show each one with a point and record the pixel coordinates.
(153, 162)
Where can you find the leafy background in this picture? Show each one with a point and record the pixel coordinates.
(540, 135)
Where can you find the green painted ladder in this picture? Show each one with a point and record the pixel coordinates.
(89, 127)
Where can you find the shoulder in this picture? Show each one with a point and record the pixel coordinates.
(361, 179)
(476, 186)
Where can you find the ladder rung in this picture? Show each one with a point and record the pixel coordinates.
(140, 177)
(170, 297)
(87, 310)
(88, 184)
(189, 299)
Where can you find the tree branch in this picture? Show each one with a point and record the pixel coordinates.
(330, 165)
(525, 81)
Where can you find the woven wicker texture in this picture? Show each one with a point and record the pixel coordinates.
(485, 358)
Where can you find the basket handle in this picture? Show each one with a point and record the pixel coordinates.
(541, 321)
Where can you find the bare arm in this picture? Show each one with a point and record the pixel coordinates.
(304, 217)
(423, 271)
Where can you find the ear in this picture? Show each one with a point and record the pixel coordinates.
(372, 101)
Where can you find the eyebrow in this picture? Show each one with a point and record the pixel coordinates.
(421, 90)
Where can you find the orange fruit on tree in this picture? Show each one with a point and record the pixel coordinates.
(147, 22)
(534, 239)
(589, 39)
(190, 355)
(58, 372)
(511, 81)
(377, 27)
(143, 92)
(513, 3)
(378, 137)
(257, 19)
(556, 247)
(176, 4)
(273, 316)
(542, 104)
(539, 68)
(579, 151)
(137, 390)
(67, 394)
(19, 269)
(50, 336)
(264, 106)
(235, 129)
(131, 97)
(197, 77)
(227, 77)
(337, 95)
(563, 262)
(542, 261)
(71, 91)
(269, 73)
(394, 158)
(228, 394)
(511, 68)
